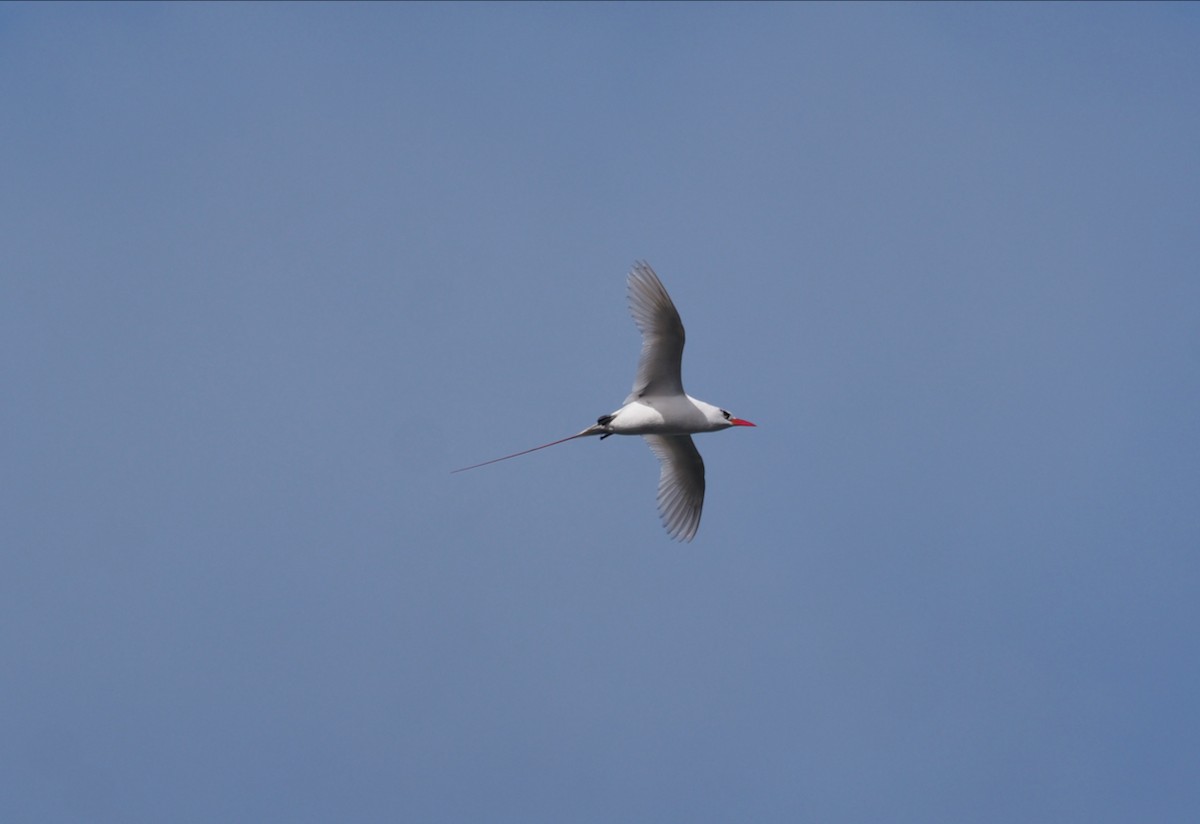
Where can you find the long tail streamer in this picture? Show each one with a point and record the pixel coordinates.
(588, 431)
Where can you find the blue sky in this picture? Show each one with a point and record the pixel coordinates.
(272, 271)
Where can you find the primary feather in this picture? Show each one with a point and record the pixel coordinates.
(680, 484)
(660, 364)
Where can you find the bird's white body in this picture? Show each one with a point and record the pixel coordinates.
(672, 415)
(659, 410)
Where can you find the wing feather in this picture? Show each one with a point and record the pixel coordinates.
(680, 484)
(660, 365)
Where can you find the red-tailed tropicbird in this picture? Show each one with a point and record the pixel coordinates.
(658, 409)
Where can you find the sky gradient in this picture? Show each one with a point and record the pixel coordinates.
(271, 271)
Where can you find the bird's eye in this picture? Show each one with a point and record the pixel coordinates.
(726, 414)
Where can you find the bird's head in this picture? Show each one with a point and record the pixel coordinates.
(729, 420)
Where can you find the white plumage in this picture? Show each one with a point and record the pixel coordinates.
(659, 410)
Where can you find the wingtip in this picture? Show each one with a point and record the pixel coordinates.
(641, 269)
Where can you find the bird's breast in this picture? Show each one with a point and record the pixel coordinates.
(658, 417)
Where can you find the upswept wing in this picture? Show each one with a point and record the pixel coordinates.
(680, 484)
(659, 366)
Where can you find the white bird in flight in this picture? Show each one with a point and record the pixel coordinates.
(658, 409)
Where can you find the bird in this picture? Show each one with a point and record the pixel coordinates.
(658, 409)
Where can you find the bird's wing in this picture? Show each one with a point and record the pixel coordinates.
(680, 484)
(658, 370)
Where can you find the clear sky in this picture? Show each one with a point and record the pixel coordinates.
(269, 272)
